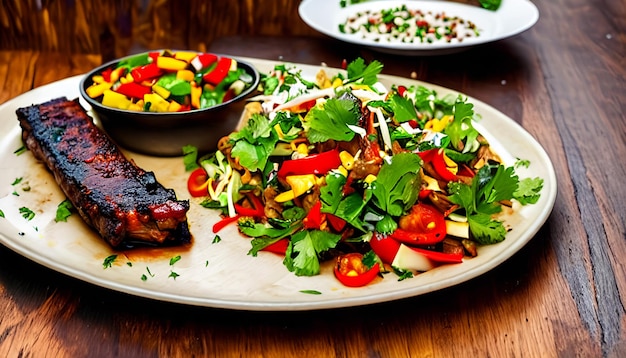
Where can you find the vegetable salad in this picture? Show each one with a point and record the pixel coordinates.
(167, 81)
(377, 179)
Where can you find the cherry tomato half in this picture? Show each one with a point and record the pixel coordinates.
(423, 225)
(352, 272)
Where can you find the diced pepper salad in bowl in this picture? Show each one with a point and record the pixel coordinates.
(169, 81)
(379, 180)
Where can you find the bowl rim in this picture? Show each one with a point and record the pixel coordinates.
(83, 84)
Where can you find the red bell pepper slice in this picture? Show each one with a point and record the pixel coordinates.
(313, 164)
(198, 183)
(106, 74)
(220, 71)
(313, 219)
(336, 222)
(203, 60)
(146, 73)
(278, 247)
(224, 222)
(423, 225)
(435, 156)
(133, 90)
(351, 271)
(440, 257)
(257, 211)
(384, 246)
(154, 55)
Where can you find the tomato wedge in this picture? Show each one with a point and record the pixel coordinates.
(352, 272)
(423, 225)
(198, 183)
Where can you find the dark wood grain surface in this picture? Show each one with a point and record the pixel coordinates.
(562, 295)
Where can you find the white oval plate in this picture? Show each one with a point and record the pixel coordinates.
(221, 274)
(512, 18)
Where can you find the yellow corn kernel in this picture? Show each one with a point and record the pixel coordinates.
(129, 77)
(369, 179)
(343, 171)
(284, 196)
(347, 160)
(337, 82)
(185, 75)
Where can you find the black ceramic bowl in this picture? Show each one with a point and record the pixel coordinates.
(165, 133)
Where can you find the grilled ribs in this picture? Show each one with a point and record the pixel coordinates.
(122, 202)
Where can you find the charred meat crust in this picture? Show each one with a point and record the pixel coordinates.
(125, 204)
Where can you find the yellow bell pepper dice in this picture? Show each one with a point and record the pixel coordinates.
(170, 63)
(285, 196)
(174, 106)
(300, 184)
(157, 103)
(97, 90)
(195, 96)
(185, 56)
(185, 75)
(115, 100)
(161, 91)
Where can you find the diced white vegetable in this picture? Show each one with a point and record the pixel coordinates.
(407, 259)
(458, 229)
(384, 129)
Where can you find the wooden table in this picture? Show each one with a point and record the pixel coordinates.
(563, 294)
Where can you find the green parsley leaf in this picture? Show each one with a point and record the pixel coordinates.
(1, 214)
(190, 157)
(302, 255)
(331, 121)
(173, 275)
(528, 190)
(216, 239)
(403, 108)
(460, 130)
(17, 181)
(525, 163)
(367, 75)
(486, 230)
(64, 210)
(397, 184)
(254, 143)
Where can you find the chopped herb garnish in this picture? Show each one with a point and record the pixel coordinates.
(1, 214)
(108, 262)
(174, 260)
(216, 239)
(17, 181)
(311, 292)
(27, 213)
(20, 150)
(173, 275)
